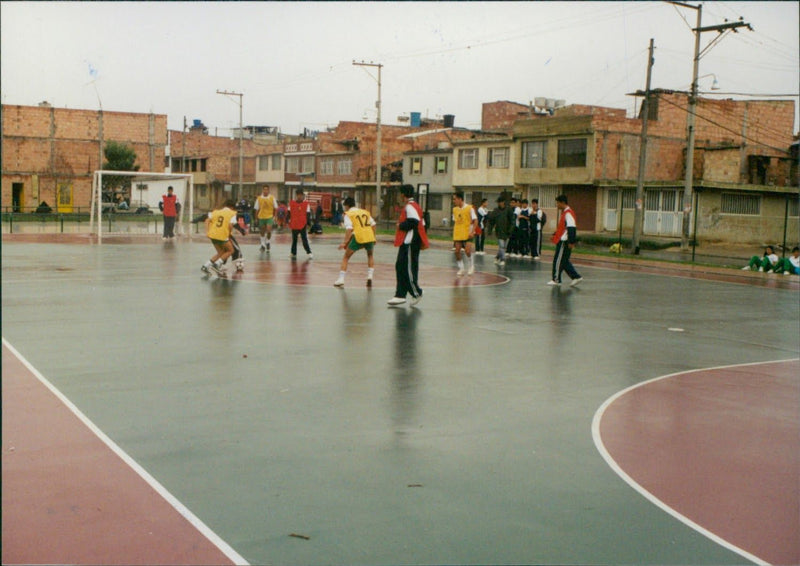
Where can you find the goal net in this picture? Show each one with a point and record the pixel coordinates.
(140, 191)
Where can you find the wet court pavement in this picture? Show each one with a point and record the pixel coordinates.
(273, 404)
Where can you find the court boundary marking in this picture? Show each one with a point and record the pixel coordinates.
(184, 511)
(598, 442)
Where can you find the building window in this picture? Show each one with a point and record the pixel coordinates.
(276, 162)
(292, 164)
(572, 153)
(468, 158)
(416, 166)
(742, 204)
(441, 164)
(345, 166)
(203, 163)
(326, 166)
(435, 201)
(534, 155)
(498, 157)
(545, 193)
(794, 206)
(308, 164)
(263, 162)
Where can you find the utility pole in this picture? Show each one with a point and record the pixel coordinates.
(241, 133)
(638, 215)
(690, 121)
(378, 136)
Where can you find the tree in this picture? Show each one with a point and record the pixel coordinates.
(119, 157)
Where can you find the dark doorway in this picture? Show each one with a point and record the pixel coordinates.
(16, 196)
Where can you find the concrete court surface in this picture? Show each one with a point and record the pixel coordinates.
(272, 404)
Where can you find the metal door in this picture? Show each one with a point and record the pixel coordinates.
(661, 214)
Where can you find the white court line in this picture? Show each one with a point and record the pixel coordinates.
(151, 481)
(598, 441)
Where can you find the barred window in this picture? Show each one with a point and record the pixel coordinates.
(308, 164)
(292, 164)
(416, 165)
(326, 166)
(737, 203)
(545, 193)
(263, 162)
(628, 198)
(441, 164)
(276, 161)
(794, 206)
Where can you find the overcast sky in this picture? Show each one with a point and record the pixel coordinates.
(293, 61)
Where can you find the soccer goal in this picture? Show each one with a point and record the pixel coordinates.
(146, 190)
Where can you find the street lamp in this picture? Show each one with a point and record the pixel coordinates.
(241, 133)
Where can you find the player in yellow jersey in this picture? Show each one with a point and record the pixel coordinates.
(265, 207)
(219, 225)
(464, 223)
(359, 233)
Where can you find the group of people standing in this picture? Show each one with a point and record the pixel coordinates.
(519, 227)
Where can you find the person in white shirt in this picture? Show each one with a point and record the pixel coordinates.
(765, 263)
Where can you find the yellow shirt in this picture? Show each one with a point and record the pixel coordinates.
(266, 206)
(219, 227)
(362, 224)
(462, 221)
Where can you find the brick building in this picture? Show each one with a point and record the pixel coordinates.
(213, 162)
(741, 169)
(50, 154)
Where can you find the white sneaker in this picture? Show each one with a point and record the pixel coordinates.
(746, 268)
(535, 258)
(471, 270)
(787, 273)
(205, 269)
(553, 283)
(263, 248)
(460, 272)
(576, 282)
(396, 301)
(310, 256)
(761, 269)
(501, 263)
(339, 282)
(415, 300)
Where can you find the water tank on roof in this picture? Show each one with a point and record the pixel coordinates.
(560, 103)
(449, 120)
(196, 123)
(551, 103)
(540, 101)
(416, 119)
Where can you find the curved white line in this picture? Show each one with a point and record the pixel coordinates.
(215, 539)
(598, 441)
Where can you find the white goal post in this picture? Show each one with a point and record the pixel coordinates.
(141, 176)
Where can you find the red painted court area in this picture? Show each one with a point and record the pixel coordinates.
(720, 448)
(68, 498)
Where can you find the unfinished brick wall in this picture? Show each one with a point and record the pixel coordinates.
(44, 146)
(501, 115)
